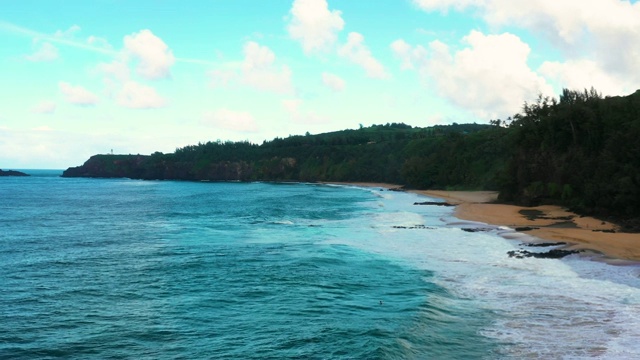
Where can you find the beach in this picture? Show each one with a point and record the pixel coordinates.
(546, 222)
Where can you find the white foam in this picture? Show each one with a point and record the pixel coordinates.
(546, 308)
(283, 222)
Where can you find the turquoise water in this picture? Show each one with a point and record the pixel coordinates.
(104, 268)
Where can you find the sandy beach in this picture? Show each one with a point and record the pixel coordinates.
(549, 223)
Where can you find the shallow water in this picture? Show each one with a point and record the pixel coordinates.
(147, 269)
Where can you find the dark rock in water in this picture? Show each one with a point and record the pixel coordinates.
(399, 189)
(413, 227)
(551, 254)
(545, 244)
(526, 228)
(472, 230)
(12, 173)
(434, 203)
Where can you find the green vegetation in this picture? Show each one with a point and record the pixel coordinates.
(579, 151)
(458, 156)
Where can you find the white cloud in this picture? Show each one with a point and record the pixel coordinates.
(584, 74)
(402, 50)
(412, 57)
(358, 53)
(45, 147)
(260, 72)
(444, 5)
(99, 42)
(561, 19)
(69, 33)
(117, 69)
(598, 35)
(45, 107)
(43, 128)
(292, 106)
(273, 81)
(23, 147)
(257, 56)
(295, 109)
(567, 21)
(333, 82)
(221, 78)
(154, 56)
(314, 25)
(77, 95)
(125, 91)
(226, 119)
(257, 70)
(137, 96)
(489, 77)
(46, 52)
(61, 40)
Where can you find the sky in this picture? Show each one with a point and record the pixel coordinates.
(80, 77)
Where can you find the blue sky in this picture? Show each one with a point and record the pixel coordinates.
(85, 77)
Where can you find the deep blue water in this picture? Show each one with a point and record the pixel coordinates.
(104, 268)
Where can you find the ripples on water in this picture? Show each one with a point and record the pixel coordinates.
(141, 269)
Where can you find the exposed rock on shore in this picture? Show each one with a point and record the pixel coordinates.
(551, 254)
(434, 203)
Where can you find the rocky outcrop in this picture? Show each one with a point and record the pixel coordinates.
(551, 254)
(12, 173)
(434, 203)
(109, 166)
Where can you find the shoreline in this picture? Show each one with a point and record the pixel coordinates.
(547, 223)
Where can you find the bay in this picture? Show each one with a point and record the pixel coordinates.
(106, 268)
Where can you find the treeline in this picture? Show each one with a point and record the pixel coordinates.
(580, 150)
(462, 156)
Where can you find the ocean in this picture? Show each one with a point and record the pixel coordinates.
(120, 268)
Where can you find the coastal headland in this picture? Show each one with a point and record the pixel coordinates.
(546, 222)
(12, 173)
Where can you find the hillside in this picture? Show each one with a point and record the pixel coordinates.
(462, 156)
